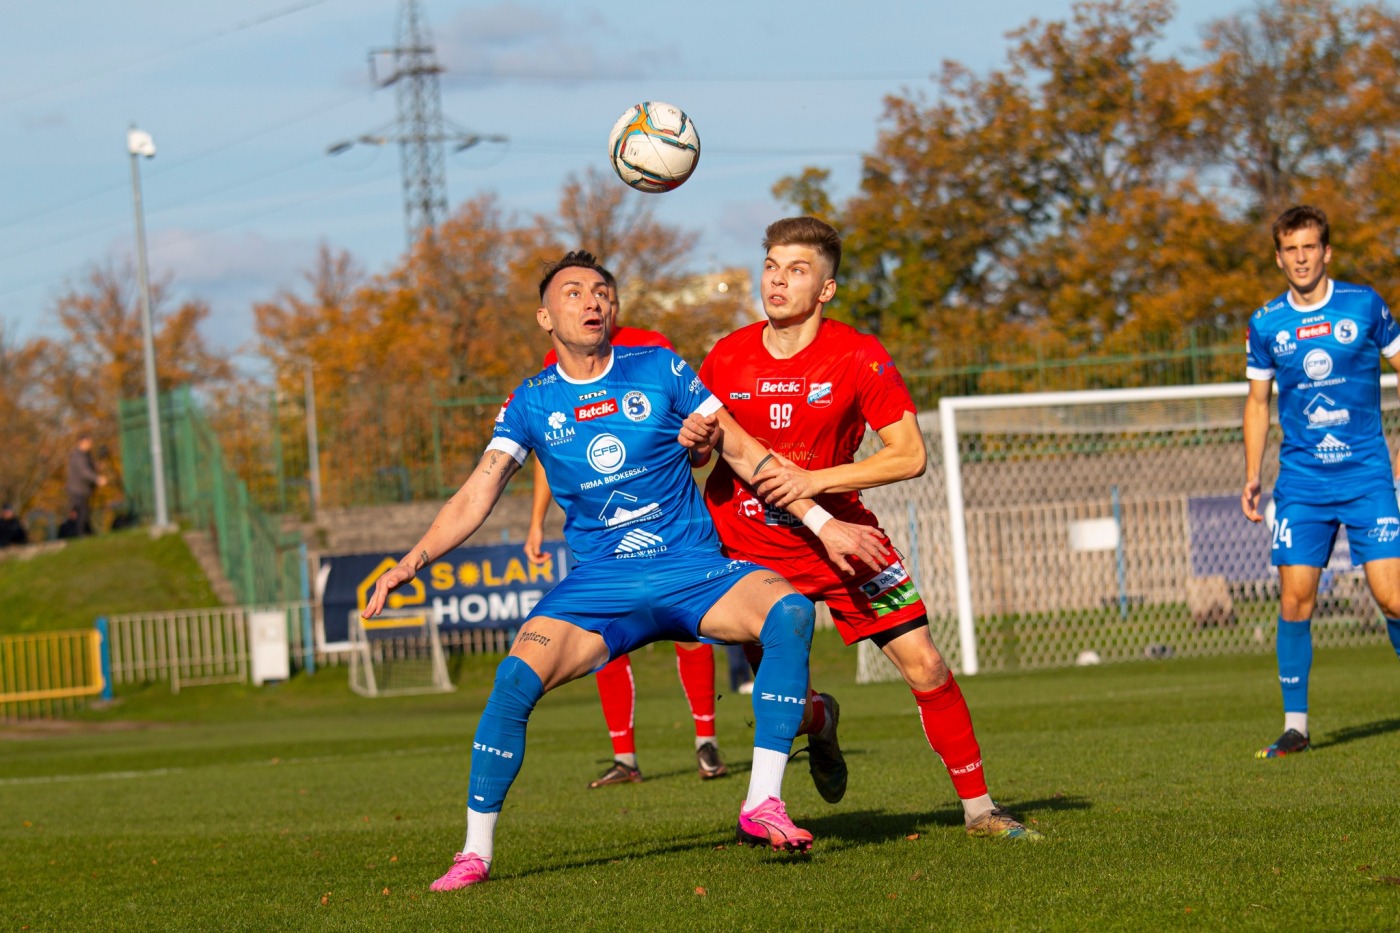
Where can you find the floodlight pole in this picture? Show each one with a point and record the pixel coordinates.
(139, 143)
(313, 452)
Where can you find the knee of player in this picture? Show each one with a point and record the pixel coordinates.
(790, 617)
(517, 684)
(926, 671)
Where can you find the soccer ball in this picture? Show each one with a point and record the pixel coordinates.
(654, 146)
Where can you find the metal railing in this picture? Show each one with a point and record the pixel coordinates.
(49, 673)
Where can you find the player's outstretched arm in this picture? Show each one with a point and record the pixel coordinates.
(746, 456)
(455, 522)
(1256, 433)
(539, 505)
(903, 456)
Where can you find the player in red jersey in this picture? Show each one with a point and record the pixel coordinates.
(616, 690)
(806, 387)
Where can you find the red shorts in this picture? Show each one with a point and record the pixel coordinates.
(862, 605)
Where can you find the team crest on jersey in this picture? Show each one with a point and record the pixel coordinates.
(1283, 343)
(636, 406)
(1317, 364)
(820, 395)
(1346, 331)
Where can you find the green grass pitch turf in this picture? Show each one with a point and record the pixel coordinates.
(303, 807)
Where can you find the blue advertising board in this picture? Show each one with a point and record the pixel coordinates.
(493, 587)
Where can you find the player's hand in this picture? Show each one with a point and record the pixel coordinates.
(864, 543)
(700, 433)
(388, 581)
(1249, 501)
(782, 482)
(534, 541)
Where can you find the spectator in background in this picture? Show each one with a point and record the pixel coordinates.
(11, 528)
(69, 527)
(83, 480)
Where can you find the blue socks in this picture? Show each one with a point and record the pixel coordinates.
(499, 747)
(1293, 646)
(1392, 627)
(780, 685)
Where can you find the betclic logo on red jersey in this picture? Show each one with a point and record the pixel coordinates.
(607, 406)
(780, 385)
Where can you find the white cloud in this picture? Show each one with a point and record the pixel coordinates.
(510, 40)
(249, 260)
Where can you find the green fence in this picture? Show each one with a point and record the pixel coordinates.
(261, 561)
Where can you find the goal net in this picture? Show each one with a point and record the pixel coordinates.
(396, 654)
(1076, 527)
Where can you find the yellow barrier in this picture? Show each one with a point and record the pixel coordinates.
(48, 673)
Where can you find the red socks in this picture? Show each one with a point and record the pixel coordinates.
(619, 695)
(697, 670)
(619, 698)
(948, 727)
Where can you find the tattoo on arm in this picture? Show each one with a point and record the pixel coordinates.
(422, 560)
(492, 456)
(535, 637)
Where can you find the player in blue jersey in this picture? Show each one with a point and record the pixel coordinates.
(1322, 341)
(604, 421)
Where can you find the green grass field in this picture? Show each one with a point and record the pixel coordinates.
(303, 807)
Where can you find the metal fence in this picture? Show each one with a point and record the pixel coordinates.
(49, 673)
(200, 646)
(264, 563)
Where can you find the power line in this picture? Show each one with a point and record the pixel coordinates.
(147, 57)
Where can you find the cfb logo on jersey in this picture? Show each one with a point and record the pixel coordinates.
(606, 454)
(1317, 364)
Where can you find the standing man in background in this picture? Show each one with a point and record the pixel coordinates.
(1322, 340)
(83, 480)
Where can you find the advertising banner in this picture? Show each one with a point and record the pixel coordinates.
(492, 587)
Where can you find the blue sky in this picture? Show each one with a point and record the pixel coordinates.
(243, 100)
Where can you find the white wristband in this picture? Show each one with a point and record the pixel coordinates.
(816, 518)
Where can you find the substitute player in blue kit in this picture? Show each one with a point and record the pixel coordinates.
(1322, 341)
(604, 421)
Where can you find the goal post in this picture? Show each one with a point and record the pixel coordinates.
(1073, 527)
(397, 653)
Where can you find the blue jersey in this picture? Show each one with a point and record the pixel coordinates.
(1326, 359)
(609, 448)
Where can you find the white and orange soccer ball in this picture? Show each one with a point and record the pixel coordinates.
(654, 146)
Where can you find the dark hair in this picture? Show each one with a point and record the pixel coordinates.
(577, 259)
(806, 231)
(1298, 217)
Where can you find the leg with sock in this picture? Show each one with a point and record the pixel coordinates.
(696, 667)
(618, 693)
(1293, 646)
(780, 690)
(1392, 627)
(497, 753)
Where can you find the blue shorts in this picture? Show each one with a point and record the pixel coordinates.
(1303, 534)
(638, 601)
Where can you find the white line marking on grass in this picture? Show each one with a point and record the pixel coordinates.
(262, 763)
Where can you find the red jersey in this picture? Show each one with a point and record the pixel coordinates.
(812, 409)
(623, 337)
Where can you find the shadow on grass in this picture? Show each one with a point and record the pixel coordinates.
(1355, 733)
(870, 826)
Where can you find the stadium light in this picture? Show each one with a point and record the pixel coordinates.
(139, 144)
